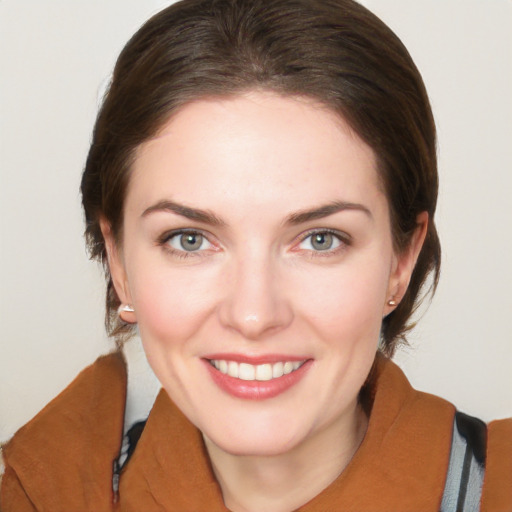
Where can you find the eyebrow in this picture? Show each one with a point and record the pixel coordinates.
(196, 214)
(300, 217)
(324, 211)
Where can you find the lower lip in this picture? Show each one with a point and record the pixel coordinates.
(255, 389)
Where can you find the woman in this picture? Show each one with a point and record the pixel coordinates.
(261, 187)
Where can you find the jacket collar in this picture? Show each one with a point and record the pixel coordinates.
(63, 458)
(400, 465)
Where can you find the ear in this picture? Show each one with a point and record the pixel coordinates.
(404, 263)
(118, 272)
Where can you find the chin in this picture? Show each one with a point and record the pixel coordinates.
(247, 441)
(267, 447)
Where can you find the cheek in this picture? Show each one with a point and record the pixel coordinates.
(171, 304)
(346, 303)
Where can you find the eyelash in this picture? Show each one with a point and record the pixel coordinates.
(164, 239)
(343, 238)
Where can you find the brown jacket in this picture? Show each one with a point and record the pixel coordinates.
(62, 460)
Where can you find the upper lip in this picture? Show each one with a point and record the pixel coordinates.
(255, 360)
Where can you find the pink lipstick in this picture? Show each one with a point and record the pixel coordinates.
(256, 378)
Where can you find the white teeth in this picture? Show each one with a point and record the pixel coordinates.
(233, 369)
(277, 370)
(261, 372)
(246, 371)
(223, 366)
(264, 372)
(288, 368)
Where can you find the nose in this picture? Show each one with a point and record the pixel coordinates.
(254, 302)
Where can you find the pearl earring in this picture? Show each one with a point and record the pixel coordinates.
(125, 308)
(392, 303)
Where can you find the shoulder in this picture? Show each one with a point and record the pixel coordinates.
(72, 441)
(476, 459)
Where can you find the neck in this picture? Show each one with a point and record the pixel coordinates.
(284, 482)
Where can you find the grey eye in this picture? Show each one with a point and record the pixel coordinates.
(320, 241)
(189, 242)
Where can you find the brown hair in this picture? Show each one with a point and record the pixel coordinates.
(335, 51)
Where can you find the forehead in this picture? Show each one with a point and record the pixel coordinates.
(258, 146)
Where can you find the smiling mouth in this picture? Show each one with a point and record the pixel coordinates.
(260, 372)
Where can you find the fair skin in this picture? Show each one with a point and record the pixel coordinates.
(287, 257)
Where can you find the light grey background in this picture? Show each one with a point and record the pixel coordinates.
(55, 58)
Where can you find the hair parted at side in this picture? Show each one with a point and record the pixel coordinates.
(334, 51)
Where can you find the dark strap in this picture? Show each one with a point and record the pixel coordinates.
(474, 431)
(128, 447)
(466, 468)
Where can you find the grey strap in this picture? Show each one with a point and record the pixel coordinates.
(464, 480)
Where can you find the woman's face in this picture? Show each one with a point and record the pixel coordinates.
(257, 242)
